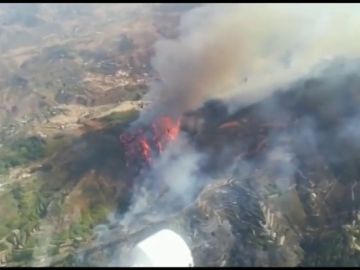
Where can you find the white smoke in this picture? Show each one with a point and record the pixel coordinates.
(177, 167)
(176, 173)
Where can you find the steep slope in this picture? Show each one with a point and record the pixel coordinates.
(277, 186)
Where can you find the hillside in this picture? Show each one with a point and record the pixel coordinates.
(71, 79)
(112, 126)
(278, 186)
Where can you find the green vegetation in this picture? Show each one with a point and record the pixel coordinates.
(31, 206)
(31, 243)
(122, 117)
(24, 205)
(21, 152)
(31, 148)
(78, 230)
(24, 256)
(3, 246)
(26, 150)
(9, 214)
(21, 208)
(55, 144)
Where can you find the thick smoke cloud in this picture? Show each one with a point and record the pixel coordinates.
(323, 134)
(246, 51)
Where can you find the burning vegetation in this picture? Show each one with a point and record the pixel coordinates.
(143, 143)
(284, 154)
(292, 154)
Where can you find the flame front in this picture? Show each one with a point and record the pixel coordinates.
(165, 130)
(142, 145)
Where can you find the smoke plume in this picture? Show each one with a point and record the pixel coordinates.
(246, 51)
(242, 52)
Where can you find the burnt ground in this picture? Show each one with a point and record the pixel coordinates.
(303, 141)
(294, 164)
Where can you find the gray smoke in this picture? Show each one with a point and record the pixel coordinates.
(242, 52)
(246, 51)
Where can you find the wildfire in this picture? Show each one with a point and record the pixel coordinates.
(143, 144)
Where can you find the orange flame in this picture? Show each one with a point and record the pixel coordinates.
(145, 150)
(165, 130)
(139, 145)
